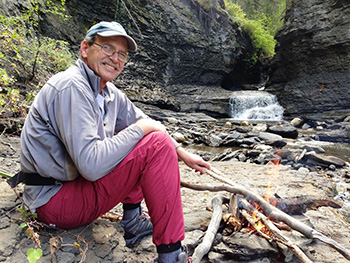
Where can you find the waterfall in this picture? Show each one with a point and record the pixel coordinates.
(255, 105)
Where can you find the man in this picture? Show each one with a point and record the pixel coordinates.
(85, 148)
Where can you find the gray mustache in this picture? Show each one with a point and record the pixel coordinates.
(108, 61)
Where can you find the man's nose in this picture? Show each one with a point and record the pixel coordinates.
(115, 57)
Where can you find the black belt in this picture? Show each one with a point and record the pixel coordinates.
(30, 179)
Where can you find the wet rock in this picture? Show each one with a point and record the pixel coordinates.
(241, 157)
(248, 141)
(341, 134)
(316, 149)
(323, 160)
(267, 136)
(213, 140)
(244, 129)
(272, 139)
(245, 123)
(232, 139)
(297, 122)
(260, 127)
(286, 154)
(263, 158)
(286, 131)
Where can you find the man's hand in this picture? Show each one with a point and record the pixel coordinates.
(193, 161)
(148, 125)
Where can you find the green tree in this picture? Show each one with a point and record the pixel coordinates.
(263, 41)
(25, 53)
(270, 13)
(261, 19)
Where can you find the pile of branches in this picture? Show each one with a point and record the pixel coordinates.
(270, 216)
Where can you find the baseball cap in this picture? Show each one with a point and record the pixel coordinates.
(109, 29)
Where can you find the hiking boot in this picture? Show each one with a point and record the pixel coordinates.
(136, 228)
(181, 258)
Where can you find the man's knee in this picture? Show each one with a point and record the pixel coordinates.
(160, 141)
(160, 137)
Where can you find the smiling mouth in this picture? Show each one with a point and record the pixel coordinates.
(111, 67)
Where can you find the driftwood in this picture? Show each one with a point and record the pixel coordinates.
(269, 210)
(210, 234)
(278, 237)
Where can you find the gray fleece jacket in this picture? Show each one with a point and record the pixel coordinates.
(65, 135)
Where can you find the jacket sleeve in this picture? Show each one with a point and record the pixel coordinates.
(128, 113)
(77, 121)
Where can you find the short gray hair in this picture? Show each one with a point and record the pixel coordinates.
(91, 39)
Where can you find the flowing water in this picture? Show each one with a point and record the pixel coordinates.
(255, 105)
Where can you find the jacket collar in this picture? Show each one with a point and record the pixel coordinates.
(94, 81)
(90, 76)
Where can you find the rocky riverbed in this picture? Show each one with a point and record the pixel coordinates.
(278, 158)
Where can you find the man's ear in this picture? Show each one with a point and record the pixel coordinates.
(83, 48)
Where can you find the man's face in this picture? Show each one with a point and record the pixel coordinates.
(104, 66)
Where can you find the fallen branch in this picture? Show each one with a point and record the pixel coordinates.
(210, 234)
(277, 234)
(269, 210)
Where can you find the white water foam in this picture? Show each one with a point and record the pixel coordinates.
(255, 105)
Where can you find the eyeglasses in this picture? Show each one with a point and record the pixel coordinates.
(110, 51)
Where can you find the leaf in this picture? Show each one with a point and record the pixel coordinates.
(23, 225)
(33, 255)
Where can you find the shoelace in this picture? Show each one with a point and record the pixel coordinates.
(144, 216)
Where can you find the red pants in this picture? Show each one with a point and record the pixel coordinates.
(149, 171)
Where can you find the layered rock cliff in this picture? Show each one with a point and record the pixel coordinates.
(190, 58)
(186, 53)
(311, 69)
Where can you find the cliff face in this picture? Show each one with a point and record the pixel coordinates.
(311, 69)
(190, 58)
(183, 49)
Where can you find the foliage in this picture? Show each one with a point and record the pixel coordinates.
(268, 12)
(34, 255)
(25, 53)
(261, 19)
(262, 37)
